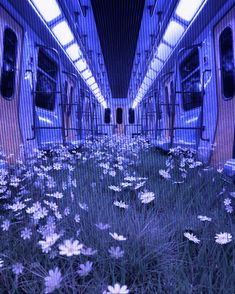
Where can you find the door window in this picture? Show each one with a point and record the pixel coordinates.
(9, 62)
(107, 114)
(119, 115)
(227, 63)
(46, 82)
(131, 116)
(190, 81)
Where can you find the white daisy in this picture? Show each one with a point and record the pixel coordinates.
(204, 218)
(117, 237)
(88, 251)
(85, 269)
(53, 280)
(5, 225)
(229, 208)
(115, 188)
(50, 241)
(77, 218)
(17, 268)
(192, 238)
(83, 206)
(139, 185)
(26, 233)
(126, 184)
(223, 238)
(146, 197)
(116, 252)
(70, 248)
(1, 263)
(102, 226)
(164, 174)
(117, 289)
(227, 201)
(121, 204)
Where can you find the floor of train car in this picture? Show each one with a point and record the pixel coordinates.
(116, 216)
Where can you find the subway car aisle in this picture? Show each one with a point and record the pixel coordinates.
(117, 146)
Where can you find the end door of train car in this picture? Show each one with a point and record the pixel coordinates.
(120, 126)
(11, 35)
(224, 38)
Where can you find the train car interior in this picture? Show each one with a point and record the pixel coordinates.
(132, 98)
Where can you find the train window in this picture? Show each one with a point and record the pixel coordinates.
(131, 116)
(9, 63)
(119, 115)
(190, 81)
(46, 82)
(227, 63)
(107, 114)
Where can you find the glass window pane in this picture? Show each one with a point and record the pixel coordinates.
(190, 81)
(227, 63)
(131, 116)
(119, 115)
(107, 113)
(9, 63)
(46, 82)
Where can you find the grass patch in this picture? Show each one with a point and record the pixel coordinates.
(70, 195)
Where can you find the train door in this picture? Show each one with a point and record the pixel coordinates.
(69, 88)
(11, 35)
(120, 128)
(224, 39)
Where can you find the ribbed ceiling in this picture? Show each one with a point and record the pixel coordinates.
(118, 23)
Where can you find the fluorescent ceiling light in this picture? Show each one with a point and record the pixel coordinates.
(49, 9)
(151, 74)
(86, 74)
(104, 104)
(186, 9)
(173, 33)
(93, 86)
(147, 81)
(96, 91)
(90, 81)
(74, 51)
(97, 95)
(144, 87)
(163, 51)
(81, 64)
(63, 33)
(155, 64)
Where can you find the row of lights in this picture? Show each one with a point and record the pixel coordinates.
(183, 16)
(49, 10)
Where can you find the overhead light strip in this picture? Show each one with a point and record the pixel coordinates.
(187, 10)
(49, 11)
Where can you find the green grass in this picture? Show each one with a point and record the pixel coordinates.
(157, 259)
